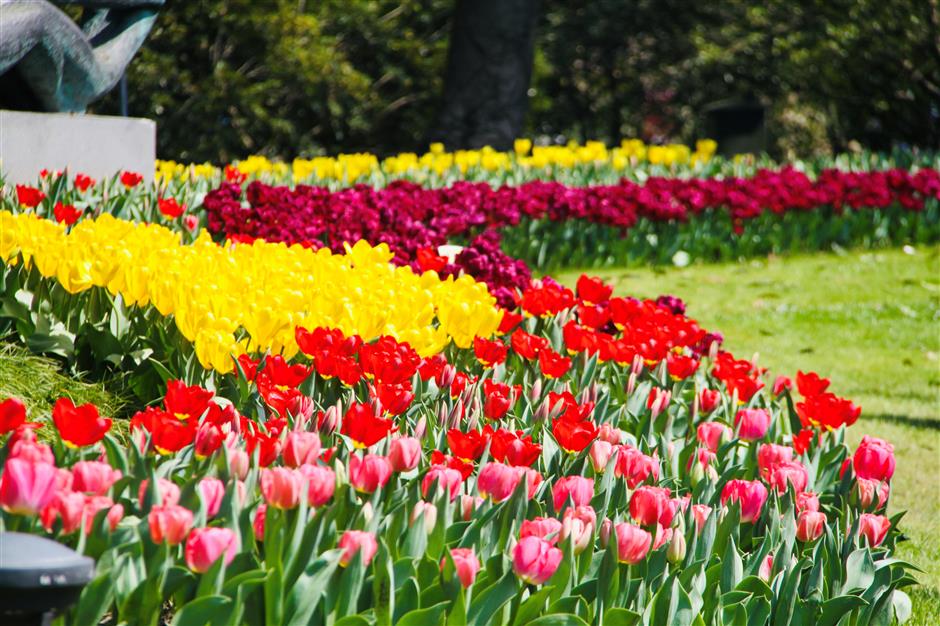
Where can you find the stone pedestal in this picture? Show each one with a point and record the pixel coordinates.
(96, 145)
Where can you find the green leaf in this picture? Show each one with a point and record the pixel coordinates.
(559, 619)
(206, 610)
(835, 609)
(859, 571)
(616, 616)
(352, 620)
(95, 600)
(485, 606)
(533, 606)
(425, 617)
(902, 605)
(309, 588)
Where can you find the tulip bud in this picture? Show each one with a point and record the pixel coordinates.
(542, 412)
(636, 367)
(468, 504)
(238, 463)
(448, 374)
(367, 512)
(607, 527)
(430, 515)
(421, 427)
(535, 392)
(404, 453)
(354, 541)
(675, 553)
(600, 455)
(766, 568)
(258, 523)
(211, 490)
(466, 565)
(331, 418)
(631, 384)
(810, 525)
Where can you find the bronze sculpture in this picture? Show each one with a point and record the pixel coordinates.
(50, 63)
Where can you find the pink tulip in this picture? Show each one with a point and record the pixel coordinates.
(497, 481)
(713, 434)
(93, 504)
(26, 487)
(600, 455)
(807, 501)
(211, 490)
(321, 483)
(28, 449)
(404, 453)
(874, 459)
(535, 560)
(607, 527)
(169, 523)
(782, 383)
(769, 456)
(447, 479)
(369, 473)
(662, 537)
(789, 472)
(578, 524)
(69, 507)
(94, 477)
(466, 565)
(532, 480)
(301, 448)
(205, 546)
(468, 504)
(548, 528)
(608, 434)
(430, 514)
(633, 543)
(872, 492)
(281, 487)
(752, 424)
(652, 505)
(874, 528)
(750, 494)
(700, 513)
(766, 568)
(257, 524)
(578, 488)
(354, 541)
(238, 463)
(63, 480)
(810, 525)
(167, 491)
(635, 466)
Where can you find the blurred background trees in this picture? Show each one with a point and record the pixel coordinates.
(225, 78)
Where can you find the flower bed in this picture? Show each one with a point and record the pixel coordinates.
(600, 461)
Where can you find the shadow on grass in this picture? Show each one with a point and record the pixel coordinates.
(905, 420)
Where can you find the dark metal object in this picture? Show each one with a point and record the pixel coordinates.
(737, 126)
(50, 63)
(38, 577)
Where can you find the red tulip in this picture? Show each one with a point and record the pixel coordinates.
(466, 565)
(578, 488)
(872, 492)
(633, 543)
(29, 197)
(354, 541)
(827, 411)
(26, 487)
(752, 424)
(810, 384)
(535, 560)
(635, 466)
(512, 448)
(169, 523)
(592, 290)
(82, 182)
(807, 501)
(404, 453)
(362, 426)
(548, 528)
(369, 473)
(810, 525)
(750, 494)
(658, 400)
(874, 459)
(467, 446)
(573, 437)
(527, 346)
(67, 506)
(874, 528)
(781, 384)
(552, 364)
(205, 546)
(708, 400)
(130, 179)
(170, 208)
(281, 487)
(509, 321)
(12, 415)
(489, 353)
(94, 477)
(79, 426)
(803, 440)
(428, 260)
(680, 366)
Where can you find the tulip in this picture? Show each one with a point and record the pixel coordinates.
(708, 400)
(700, 513)
(94, 477)
(167, 491)
(12, 415)
(354, 541)
(712, 435)
(69, 507)
(211, 490)
(782, 383)
(633, 543)
(652, 505)
(369, 473)
(301, 448)
(635, 466)
(752, 424)
(661, 537)
(28, 449)
(578, 525)
(169, 523)
(447, 479)
(810, 525)
(548, 528)
(429, 511)
(578, 488)
(676, 551)
(321, 483)
(404, 453)
(874, 459)
(497, 481)
(79, 426)
(468, 504)
(658, 401)
(766, 568)
(257, 524)
(750, 494)
(807, 501)
(607, 527)
(599, 455)
(609, 434)
(363, 426)
(208, 439)
(874, 528)
(871, 492)
(789, 472)
(205, 546)
(466, 565)
(535, 560)
(26, 487)
(769, 456)
(238, 463)
(281, 487)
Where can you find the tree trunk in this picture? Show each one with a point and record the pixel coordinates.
(489, 66)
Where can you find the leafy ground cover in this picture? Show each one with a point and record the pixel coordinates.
(867, 319)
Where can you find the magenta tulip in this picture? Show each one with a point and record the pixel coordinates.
(535, 560)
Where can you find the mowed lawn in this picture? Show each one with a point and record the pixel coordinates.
(870, 321)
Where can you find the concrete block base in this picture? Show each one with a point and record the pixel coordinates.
(96, 145)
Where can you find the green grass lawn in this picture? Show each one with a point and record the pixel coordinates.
(868, 320)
